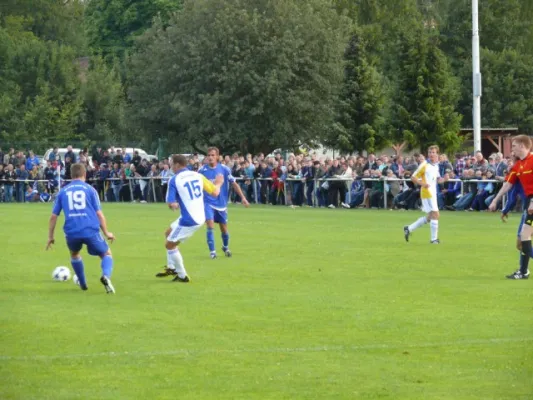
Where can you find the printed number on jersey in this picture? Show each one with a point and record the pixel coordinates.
(194, 188)
(76, 200)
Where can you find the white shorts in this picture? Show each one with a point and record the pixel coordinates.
(180, 233)
(429, 205)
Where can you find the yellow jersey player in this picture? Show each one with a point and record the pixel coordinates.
(427, 176)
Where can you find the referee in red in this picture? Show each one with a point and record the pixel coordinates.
(522, 171)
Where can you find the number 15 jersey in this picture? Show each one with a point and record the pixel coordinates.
(187, 189)
(80, 202)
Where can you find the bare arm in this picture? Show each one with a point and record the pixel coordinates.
(103, 226)
(51, 228)
(237, 188)
(419, 182)
(505, 188)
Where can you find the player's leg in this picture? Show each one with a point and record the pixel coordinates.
(434, 226)
(97, 246)
(76, 261)
(221, 218)
(525, 252)
(178, 235)
(175, 262)
(168, 269)
(408, 229)
(210, 235)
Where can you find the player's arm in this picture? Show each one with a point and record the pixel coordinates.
(238, 190)
(51, 229)
(418, 174)
(103, 226)
(172, 195)
(213, 188)
(53, 221)
(505, 188)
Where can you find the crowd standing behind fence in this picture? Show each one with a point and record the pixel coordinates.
(316, 181)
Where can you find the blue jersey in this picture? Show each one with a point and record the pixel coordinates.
(188, 189)
(221, 201)
(80, 203)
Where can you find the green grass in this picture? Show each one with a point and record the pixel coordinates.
(314, 304)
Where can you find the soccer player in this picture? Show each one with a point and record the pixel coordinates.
(185, 191)
(516, 191)
(427, 176)
(216, 207)
(83, 220)
(522, 172)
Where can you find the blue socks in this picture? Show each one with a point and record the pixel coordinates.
(225, 240)
(77, 266)
(210, 239)
(107, 266)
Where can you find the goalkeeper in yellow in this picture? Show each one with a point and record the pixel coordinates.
(427, 176)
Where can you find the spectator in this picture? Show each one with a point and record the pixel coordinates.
(70, 154)
(9, 182)
(136, 160)
(371, 162)
(335, 186)
(308, 176)
(116, 176)
(484, 190)
(444, 164)
(451, 190)
(22, 178)
(356, 195)
(165, 175)
(480, 164)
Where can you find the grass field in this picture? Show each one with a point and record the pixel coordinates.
(314, 304)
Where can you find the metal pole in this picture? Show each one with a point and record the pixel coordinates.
(476, 78)
(152, 181)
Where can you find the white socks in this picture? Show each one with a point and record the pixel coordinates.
(418, 223)
(175, 261)
(434, 224)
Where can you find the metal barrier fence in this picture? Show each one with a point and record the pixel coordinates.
(153, 189)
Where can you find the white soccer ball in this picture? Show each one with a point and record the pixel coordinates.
(76, 280)
(61, 274)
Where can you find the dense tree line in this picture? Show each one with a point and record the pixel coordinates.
(255, 75)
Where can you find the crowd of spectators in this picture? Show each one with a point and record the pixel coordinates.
(299, 180)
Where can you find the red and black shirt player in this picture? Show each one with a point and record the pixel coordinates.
(522, 171)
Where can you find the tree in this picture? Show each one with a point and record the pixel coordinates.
(59, 21)
(426, 94)
(507, 88)
(102, 116)
(113, 25)
(360, 122)
(243, 75)
(39, 83)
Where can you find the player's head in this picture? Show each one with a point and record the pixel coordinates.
(521, 146)
(178, 162)
(212, 156)
(433, 153)
(78, 171)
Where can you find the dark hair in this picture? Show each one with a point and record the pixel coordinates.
(180, 160)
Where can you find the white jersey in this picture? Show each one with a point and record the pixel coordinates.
(429, 173)
(187, 189)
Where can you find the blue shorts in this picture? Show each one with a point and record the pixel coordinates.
(96, 245)
(220, 217)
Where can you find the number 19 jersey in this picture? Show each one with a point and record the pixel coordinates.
(79, 201)
(186, 188)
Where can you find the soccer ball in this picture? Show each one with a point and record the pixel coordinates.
(76, 280)
(61, 274)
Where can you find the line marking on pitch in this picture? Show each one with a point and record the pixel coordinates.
(267, 350)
